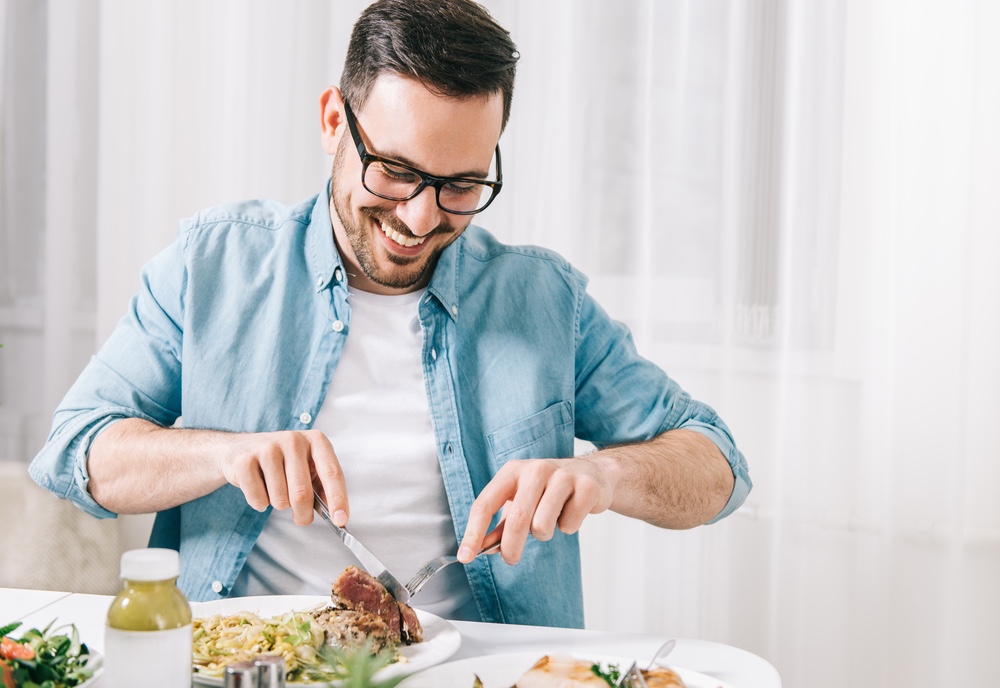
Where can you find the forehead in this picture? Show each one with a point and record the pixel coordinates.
(442, 135)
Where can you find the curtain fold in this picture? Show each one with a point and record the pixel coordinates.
(791, 204)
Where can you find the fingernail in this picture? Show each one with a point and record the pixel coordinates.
(340, 517)
(465, 553)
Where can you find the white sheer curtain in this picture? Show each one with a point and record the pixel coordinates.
(791, 204)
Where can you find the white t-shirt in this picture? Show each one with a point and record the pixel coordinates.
(377, 418)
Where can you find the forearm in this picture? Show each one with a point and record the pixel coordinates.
(138, 467)
(677, 480)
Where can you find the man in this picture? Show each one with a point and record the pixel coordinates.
(372, 345)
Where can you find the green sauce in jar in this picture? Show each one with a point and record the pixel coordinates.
(149, 606)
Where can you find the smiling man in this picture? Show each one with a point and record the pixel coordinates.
(374, 346)
(392, 220)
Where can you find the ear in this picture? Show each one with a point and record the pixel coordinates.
(332, 122)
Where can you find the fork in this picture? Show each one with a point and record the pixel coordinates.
(491, 545)
(632, 677)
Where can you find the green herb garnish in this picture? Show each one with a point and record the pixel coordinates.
(355, 667)
(610, 675)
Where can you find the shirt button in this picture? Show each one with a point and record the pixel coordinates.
(305, 419)
(338, 326)
(338, 274)
(454, 310)
(319, 281)
(434, 354)
(217, 586)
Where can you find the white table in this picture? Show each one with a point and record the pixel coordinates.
(15, 603)
(738, 668)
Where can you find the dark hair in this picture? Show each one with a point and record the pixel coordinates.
(454, 47)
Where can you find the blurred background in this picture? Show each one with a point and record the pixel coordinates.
(792, 204)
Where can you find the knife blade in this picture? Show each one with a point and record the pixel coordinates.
(368, 561)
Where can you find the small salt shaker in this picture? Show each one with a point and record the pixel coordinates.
(272, 671)
(242, 675)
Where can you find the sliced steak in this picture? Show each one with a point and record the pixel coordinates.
(411, 631)
(360, 591)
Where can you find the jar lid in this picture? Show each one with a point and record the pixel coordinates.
(150, 564)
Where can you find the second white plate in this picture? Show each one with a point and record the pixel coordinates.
(502, 671)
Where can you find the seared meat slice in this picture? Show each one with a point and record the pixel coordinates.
(410, 630)
(359, 590)
(349, 628)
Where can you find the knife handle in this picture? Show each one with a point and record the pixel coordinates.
(321, 507)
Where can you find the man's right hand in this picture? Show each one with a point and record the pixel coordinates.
(281, 469)
(138, 467)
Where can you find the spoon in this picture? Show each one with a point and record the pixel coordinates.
(665, 649)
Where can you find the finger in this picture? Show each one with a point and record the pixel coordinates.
(250, 480)
(520, 512)
(298, 475)
(272, 468)
(330, 476)
(489, 501)
(558, 491)
(491, 543)
(581, 504)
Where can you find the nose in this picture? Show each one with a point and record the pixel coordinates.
(421, 213)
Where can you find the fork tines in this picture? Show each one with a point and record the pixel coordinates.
(632, 678)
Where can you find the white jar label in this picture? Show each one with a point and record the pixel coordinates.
(150, 659)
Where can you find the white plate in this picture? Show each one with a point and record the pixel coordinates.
(501, 671)
(441, 638)
(95, 664)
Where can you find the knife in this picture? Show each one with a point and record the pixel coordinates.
(369, 561)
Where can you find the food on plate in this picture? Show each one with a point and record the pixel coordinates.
(558, 671)
(222, 640)
(358, 590)
(43, 658)
(361, 615)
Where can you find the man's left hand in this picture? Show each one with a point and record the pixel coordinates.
(538, 496)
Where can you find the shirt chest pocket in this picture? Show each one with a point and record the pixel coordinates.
(544, 435)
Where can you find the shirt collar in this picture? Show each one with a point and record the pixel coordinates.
(444, 282)
(324, 260)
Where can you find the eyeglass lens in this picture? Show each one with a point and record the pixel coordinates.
(398, 183)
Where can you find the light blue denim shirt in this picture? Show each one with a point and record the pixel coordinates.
(239, 325)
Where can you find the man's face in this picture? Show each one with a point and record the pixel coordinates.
(391, 247)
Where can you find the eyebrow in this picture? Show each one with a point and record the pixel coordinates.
(471, 174)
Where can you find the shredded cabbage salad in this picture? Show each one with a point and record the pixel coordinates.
(221, 640)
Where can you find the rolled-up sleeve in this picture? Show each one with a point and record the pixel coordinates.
(136, 374)
(622, 397)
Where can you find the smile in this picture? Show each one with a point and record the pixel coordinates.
(399, 238)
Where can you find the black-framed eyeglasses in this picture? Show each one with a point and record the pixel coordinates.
(397, 181)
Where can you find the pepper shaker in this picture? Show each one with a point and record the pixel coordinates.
(272, 671)
(242, 675)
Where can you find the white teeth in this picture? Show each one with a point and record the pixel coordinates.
(400, 239)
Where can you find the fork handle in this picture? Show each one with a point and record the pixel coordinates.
(491, 543)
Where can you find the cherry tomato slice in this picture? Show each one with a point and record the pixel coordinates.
(14, 650)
